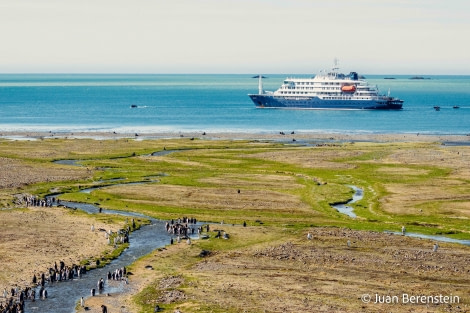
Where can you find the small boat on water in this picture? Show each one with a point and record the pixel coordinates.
(133, 105)
(437, 108)
(456, 107)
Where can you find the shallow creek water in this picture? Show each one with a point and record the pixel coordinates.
(63, 296)
(344, 208)
(358, 195)
(432, 237)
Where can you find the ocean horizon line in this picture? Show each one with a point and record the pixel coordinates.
(228, 73)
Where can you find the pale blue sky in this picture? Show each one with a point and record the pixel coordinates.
(235, 36)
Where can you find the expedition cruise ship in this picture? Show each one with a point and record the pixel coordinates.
(331, 90)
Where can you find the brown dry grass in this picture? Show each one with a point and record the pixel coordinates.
(311, 158)
(32, 239)
(445, 196)
(16, 173)
(448, 196)
(209, 198)
(276, 274)
(325, 276)
(288, 273)
(253, 181)
(448, 201)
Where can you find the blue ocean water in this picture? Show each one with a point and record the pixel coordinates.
(216, 103)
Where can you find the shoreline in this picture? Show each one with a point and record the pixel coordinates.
(288, 136)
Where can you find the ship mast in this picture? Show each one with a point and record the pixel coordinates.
(335, 64)
(260, 83)
(335, 68)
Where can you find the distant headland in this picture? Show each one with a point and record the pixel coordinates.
(419, 77)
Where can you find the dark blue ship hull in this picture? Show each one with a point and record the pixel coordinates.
(270, 101)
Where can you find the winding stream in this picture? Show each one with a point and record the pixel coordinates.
(344, 208)
(359, 194)
(432, 237)
(63, 296)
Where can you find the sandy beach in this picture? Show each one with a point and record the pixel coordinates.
(287, 136)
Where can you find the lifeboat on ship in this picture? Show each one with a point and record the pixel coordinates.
(348, 88)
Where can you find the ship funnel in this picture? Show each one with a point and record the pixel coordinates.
(260, 83)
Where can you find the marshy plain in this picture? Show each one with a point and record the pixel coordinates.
(282, 190)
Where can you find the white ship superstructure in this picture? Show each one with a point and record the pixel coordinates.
(330, 90)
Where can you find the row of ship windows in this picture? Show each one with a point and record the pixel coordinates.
(345, 98)
(312, 83)
(318, 93)
(318, 88)
(340, 98)
(309, 87)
